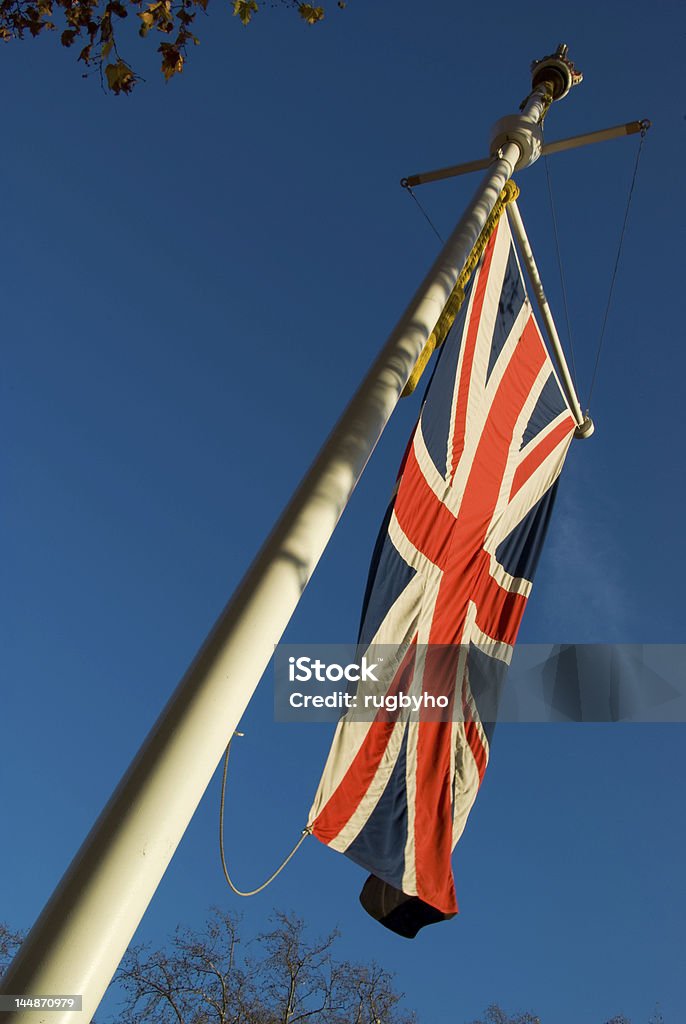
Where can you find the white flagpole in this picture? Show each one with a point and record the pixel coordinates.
(78, 940)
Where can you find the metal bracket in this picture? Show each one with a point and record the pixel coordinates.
(528, 136)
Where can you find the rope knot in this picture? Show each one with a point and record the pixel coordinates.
(510, 191)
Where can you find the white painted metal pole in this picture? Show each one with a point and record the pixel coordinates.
(81, 935)
(584, 424)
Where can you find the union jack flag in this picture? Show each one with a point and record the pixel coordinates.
(451, 572)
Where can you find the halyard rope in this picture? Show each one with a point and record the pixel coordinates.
(251, 892)
(561, 272)
(616, 266)
(428, 218)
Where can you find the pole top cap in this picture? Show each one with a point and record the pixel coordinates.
(585, 428)
(558, 70)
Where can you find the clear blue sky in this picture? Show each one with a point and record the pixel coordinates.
(194, 280)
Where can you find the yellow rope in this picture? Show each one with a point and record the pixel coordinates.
(456, 297)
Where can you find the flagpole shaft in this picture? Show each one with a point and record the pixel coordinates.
(545, 311)
(81, 935)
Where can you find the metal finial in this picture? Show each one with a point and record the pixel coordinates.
(558, 70)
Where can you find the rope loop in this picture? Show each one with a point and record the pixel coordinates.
(250, 892)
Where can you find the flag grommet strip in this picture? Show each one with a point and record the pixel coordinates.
(452, 307)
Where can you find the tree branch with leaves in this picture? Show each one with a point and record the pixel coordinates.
(95, 29)
(9, 944)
